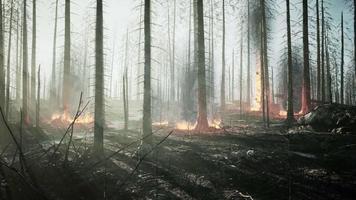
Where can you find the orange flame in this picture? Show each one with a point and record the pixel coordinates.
(184, 125)
(66, 118)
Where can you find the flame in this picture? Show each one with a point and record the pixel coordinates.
(184, 125)
(257, 101)
(66, 118)
(161, 123)
(282, 113)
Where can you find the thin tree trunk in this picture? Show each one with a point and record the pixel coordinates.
(147, 119)
(322, 52)
(8, 82)
(290, 112)
(124, 94)
(18, 66)
(202, 121)
(173, 53)
(241, 67)
(66, 88)
(125, 84)
(318, 51)
(222, 95)
(24, 65)
(139, 54)
(328, 72)
(33, 58)
(355, 36)
(306, 102)
(342, 61)
(265, 59)
(38, 98)
(2, 57)
(233, 76)
(99, 115)
(248, 57)
(53, 94)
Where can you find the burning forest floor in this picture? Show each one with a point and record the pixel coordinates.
(242, 161)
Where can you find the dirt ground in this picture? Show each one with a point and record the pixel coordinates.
(244, 161)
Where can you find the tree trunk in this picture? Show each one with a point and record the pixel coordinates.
(265, 60)
(66, 88)
(355, 36)
(38, 98)
(7, 110)
(33, 59)
(18, 65)
(322, 52)
(290, 112)
(318, 51)
(24, 66)
(241, 67)
(139, 55)
(53, 93)
(328, 72)
(222, 95)
(125, 84)
(2, 58)
(248, 57)
(99, 115)
(306, 102)
(342, 61)
(147, 119)
(202, 121)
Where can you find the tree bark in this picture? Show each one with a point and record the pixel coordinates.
(2, 57)
(53, 94)
(66, 88)
(222, 95)
(318, 51)
(342, 61)
(147, 119)
(8, 82)
(306, 102)
(99, 115)
(290, 112)
(202, 118)
(38, 98)
(33, 58)
(322, 52)
(248, 57)
(24, 66)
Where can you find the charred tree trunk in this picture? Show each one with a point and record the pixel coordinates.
(355, 36)
(7, 110)
(322, 52)
(202, 121)
(147, 119)
(328, 72)
(125, 90)
(38, 104)
(290, 112)
(139, 55)
(53, 93)
(18, 66)
(99, 115)
(342, 61)
(66, 88)
(33, 58)
(241, 67)
(248, 57)
(306, 102)
(267, 94)
(318, 51)
(222, 95)
(24, 66)
(2, 56)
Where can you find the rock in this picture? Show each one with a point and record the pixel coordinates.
(331, 117)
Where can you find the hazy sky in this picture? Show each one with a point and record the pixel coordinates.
(121, 14)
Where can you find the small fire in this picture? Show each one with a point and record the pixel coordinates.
(257, 101)
(184, 125)
(160, 124)
(65, 118)
(283, 113)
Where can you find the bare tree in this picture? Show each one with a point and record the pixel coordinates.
(290, 112)
(306, 102)
(99, 113)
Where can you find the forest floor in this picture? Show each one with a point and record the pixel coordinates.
(243, 161)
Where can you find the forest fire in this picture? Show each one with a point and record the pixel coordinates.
(65, 119)
(187, 126)
(257, 101)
